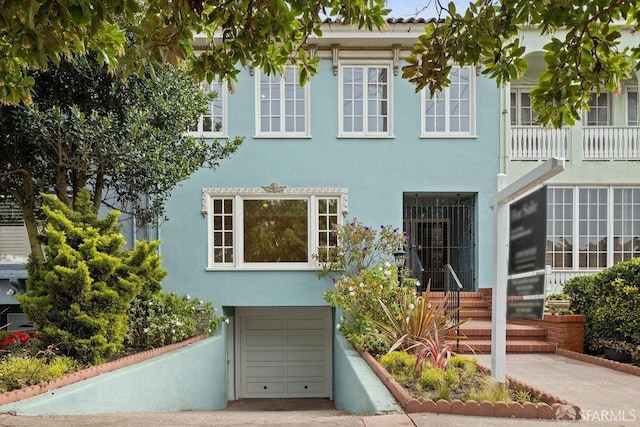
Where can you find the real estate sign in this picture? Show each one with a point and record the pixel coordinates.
(527, 241)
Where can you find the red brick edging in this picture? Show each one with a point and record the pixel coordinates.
(627, 368)
(94, 371)
(540, 410)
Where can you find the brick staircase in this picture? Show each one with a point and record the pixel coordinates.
(476, 306)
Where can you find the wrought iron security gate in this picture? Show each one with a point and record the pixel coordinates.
(441, 227)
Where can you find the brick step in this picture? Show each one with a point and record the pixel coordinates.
(513, 346)
(463, 295)
(475, 313)
(513, 331)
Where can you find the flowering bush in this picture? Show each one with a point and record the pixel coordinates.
(360, 247)
(167, 318)
(364, 255)
(12, 341)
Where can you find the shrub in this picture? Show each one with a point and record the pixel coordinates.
(400, 365)
(431, 379)
(79, 296)
(167, 318)
(610, 301)
(19, 372)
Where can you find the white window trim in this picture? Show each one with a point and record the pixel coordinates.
(424, 93)
(366, 133)
(222, 95)
(283, 133)
(276, 192)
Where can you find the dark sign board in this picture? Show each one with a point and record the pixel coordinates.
(525, 286)
(525, 309)
(528, 232)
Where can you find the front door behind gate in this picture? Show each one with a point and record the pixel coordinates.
(441, 231)
(432, 241)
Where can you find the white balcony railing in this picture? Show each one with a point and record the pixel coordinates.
(557, 278)
(538, 143)
(611, 143)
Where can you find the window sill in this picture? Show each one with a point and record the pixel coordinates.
(447, 136)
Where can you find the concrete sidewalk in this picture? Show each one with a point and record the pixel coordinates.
(606, 397)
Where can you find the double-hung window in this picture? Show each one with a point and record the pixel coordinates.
(282, 107)
(522, 114)
(451, 111)
(599, 113)
(214, 122)
(365, 100)
(266, 229)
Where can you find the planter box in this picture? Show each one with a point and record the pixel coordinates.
(566, 331)
(550, 409)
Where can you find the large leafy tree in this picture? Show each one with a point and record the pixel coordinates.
(584, 53)
(86, 128)
(132, 34)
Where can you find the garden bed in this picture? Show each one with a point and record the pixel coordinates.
(34, 390)
(547, 408)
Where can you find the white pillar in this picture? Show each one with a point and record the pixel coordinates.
(499, 293)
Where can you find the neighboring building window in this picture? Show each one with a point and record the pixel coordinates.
(259, 228)
(214, 123)
(632, 106)
(450, 112)
(283, 105)
(626, 224)
(560, 228)
(365, 93)
(599, 113)
(591, 228)
(522, 114)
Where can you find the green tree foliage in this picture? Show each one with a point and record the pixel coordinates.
(79, 297)
(584, 52)
(86, 128)
(132, 34)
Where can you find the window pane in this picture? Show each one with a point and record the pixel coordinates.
(275, 230)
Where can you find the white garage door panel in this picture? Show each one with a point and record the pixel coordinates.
(264, 324)
(305, 355)
(266, 339)
(265, 356)
(305, 371)
(265, 389)
(305, 339)
(305, 388)
(316, 324)
(265, 371)
(284, 352)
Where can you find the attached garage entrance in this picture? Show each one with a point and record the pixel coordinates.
(285, 352)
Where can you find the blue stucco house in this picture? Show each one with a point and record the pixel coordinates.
(355, 142)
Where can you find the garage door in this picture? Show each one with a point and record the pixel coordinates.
(285, 352)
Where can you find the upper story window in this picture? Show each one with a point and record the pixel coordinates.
(263, 229)
(632, 106)
(282, 109)
(451, 112)
(365, 107)
(599, 113)
(522, 114)
(214, 123)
